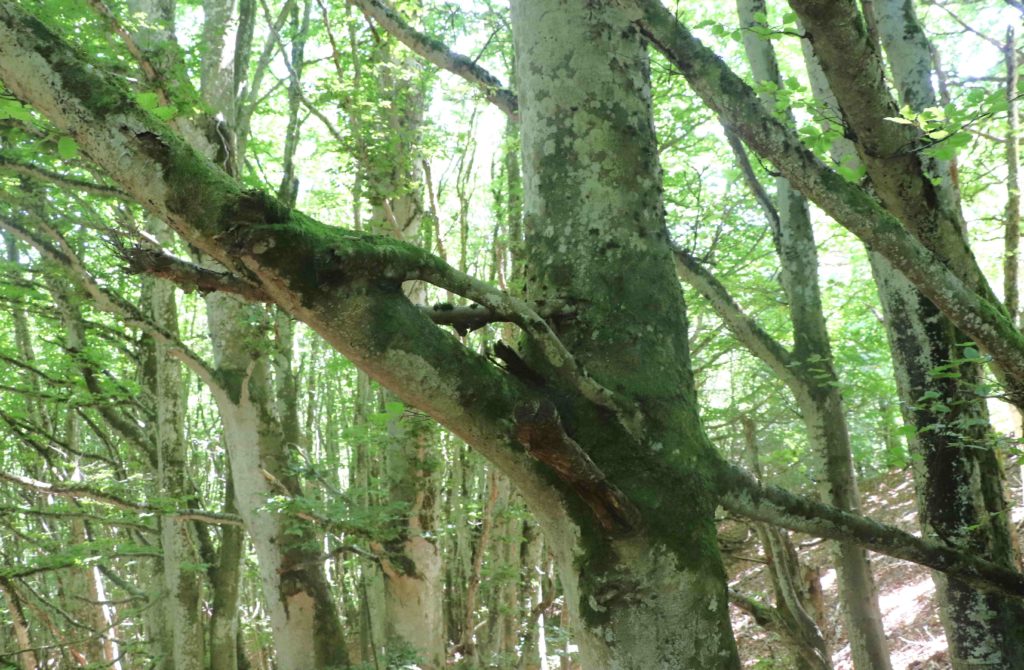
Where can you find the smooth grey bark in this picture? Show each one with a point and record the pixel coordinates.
(226, 650)
(961, 483)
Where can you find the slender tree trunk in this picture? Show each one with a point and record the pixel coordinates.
(224, 586)
(413, 609)
(956, 471)
(85, 585)
(306, 629)
(182, 578)
(799, 631)
(817, 389)
(1011, 254)
(26, 655)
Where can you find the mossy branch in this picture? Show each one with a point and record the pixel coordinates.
(745, 496)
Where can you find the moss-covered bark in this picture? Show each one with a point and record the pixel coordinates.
(596, 239)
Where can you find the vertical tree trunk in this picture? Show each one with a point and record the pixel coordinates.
(1011, 255)
(799, 630)
(817, 389)
(182, 579)
(413, 610)
(957, 476)
(85, 584)
(653, 597)
(224, 586)
(25, 654)
(306, 629)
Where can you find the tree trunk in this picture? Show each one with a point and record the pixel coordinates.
(224, 586)
(24, 652)
(182, 578)
(798, 631)
(956, 472)
(1011, 255)
(304, 622)
(817, 389)
(640, 598)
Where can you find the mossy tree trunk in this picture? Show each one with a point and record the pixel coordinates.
(649, 594)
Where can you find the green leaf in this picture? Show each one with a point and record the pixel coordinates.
(67, 148)
(12, 109)
(851, 174)
(148, 100)
(900, 120)
(165, 112)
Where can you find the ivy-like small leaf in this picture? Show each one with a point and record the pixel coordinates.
(165, 112)
(67, 148)
(148, 100)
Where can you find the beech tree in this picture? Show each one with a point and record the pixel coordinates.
(588, 407)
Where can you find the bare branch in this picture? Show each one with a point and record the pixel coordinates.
(743, 327)
(743, 495)
(104, 298)
(35, 172)
(189, 276)
(440, 55)
(82, 492)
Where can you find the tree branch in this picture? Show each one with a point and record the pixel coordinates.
(82, 492)
(743, 327)
(852, 207)
(743, 495)
(104, 298)
(440, 55)
(35, 172)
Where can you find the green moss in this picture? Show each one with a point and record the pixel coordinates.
(231, 381)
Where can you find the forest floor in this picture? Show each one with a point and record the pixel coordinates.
(906, 591)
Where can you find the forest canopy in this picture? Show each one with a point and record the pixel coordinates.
(422, 334)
